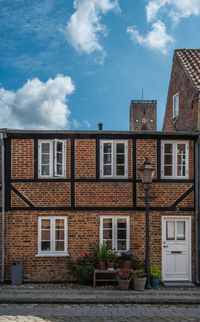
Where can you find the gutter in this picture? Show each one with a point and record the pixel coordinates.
(3, 206)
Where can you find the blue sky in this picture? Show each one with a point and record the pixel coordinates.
(68, 64)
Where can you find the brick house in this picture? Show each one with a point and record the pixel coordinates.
(66, 189)
(183, 101)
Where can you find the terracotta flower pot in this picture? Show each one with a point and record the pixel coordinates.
(127, 264)
(102, 266)
(111, 266)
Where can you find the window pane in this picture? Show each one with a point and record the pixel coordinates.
(170, 231)
(45, 235)
(45, 245)
(181, 160)
(181, 230)
(107, 148)
(168, 170)
(120, 159)
(59, 169)
(121, 234)
(59, 158)
(59, 234)
(107, 234)
(121, 245)
(45, 170)
(168, 159)
(59, 246)
(108, 243)
(168, 148)
(121, 223)
(59, 146)
(59, 223)
(120, 170)
(107, 223)
(176, 104)
(45, 224)
(107, 170)
(45, 147)
(45, 158)
(107, 158)
(120, 147)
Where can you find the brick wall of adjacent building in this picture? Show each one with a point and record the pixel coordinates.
(188, 100)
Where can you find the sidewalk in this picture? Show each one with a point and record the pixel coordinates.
(56, 294)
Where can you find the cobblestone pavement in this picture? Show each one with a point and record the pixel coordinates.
(98, 313)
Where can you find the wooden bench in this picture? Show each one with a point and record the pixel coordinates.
(104, 276)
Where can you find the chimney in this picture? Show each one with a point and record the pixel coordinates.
(100, 125)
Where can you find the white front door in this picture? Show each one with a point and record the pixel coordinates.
(176, 248)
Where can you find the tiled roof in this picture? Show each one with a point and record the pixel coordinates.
(190, 59)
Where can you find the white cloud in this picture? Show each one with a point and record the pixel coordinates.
(157, 38)
(84, 27)
(75, 124)
(176, 9)
(86, 123)
(37, 105)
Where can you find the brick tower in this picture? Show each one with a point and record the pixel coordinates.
(143, 115)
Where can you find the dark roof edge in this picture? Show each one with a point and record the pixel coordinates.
(163, 133)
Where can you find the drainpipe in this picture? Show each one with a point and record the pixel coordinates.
(3, 207)
(197, 207)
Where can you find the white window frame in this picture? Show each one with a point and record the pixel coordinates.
(52, 251)
(175, 97)
(174, 159)
(53, 150)
(114, 230)
(113, 159)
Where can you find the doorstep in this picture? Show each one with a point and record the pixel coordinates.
(178, 284)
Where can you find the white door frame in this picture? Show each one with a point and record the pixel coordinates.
(189, 243)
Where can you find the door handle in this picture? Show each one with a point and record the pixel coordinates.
(165, 246)
(176, 251)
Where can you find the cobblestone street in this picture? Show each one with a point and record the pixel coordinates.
(87, 313)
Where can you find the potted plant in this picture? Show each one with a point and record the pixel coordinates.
(111, 258)
(139, 279)
(124, 277)
(127, 256)
(155, 274)
(102, 256)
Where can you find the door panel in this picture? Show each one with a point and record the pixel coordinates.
(176, 252)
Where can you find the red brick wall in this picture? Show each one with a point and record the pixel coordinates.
(146, 148)
(85, 159)
(101, 194)
(83, 229)
(22, 165)
(188, 98)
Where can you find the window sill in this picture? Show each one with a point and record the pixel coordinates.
(52, 255)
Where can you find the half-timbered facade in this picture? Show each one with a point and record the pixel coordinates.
(65, 190)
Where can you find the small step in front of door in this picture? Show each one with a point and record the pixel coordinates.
(178, 284)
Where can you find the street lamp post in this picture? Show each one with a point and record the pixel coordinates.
(147, 172)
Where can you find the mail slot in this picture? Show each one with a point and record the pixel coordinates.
(176, 251)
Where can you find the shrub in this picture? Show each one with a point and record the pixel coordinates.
(82, 268)
(124, 274)
(127, 255)
(102, 253)
(111, 256)
(139, 273)
(155, 271)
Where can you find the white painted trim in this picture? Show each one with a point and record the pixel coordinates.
(52, 251)
(189, 243)
(174, 159)
(114, 230)
(113, 159)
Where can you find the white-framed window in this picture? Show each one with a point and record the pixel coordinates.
(175, 159)
(52, 236)
(114, 159)
(115, 232)
(175, 105)
(51, 158)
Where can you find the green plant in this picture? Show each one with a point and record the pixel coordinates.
(102, 253)
(127, 255)
(124, 274)
(83, 267)
(155, 271)
(138, 263)
(111, 256)
(139, 273)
